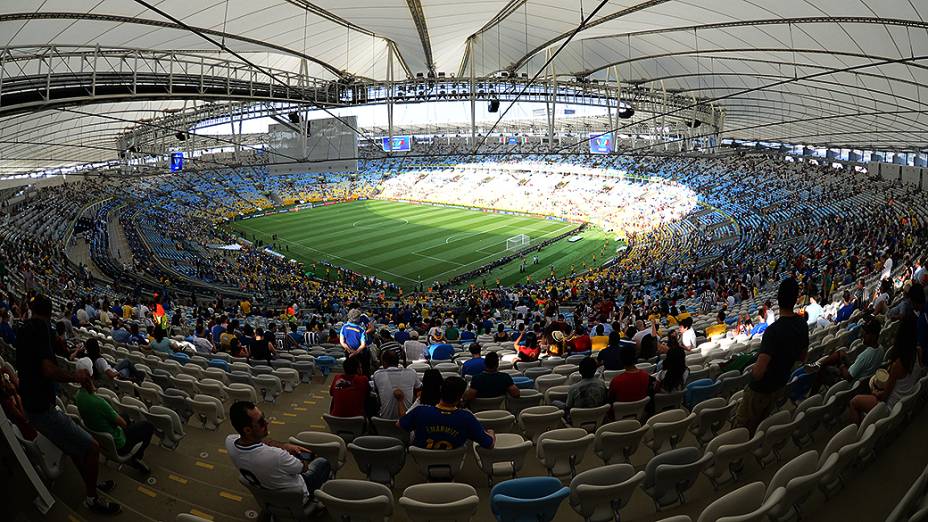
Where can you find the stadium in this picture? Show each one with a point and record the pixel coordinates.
(511, 260)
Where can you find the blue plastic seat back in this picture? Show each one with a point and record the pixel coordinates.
(529, 499)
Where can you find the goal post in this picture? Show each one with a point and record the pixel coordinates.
(517, 242)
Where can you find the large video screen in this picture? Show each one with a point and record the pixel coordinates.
(400, 144)
(602, 143)
(177, 161)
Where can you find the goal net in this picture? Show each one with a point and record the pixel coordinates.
(517, 242)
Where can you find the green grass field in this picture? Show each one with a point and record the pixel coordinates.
(406, 243)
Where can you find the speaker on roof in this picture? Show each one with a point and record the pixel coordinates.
(626, 112)
(181, 136)
(693, 123)
(294, 117)
(493, 106)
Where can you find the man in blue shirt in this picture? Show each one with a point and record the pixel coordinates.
(119, 333)
(476, 364)
(354, 340)
(446, 426)
(401, 335)
(218, 329)
(847, 308)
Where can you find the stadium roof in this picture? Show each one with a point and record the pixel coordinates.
(841, 72)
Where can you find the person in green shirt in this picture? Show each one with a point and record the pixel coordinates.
(452, 333)
(98, 415)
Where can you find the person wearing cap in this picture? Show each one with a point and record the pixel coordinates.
(837, 366)
(785, 342)
(38, 374)
(353, 338)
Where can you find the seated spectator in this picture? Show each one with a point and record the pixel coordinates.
(909, 307)
(589, 392)
(6, 331)
(392, 377)
(401, 335)
(226, 337)
(446, 426)
(350, 391)
(813, 311)
(898, 382)
(452, 332)
(847, 307)
(633, 384)
(435, 333)
(99, 366)
(430, 392)
(60, 343)
(491, 382)
(476, 364)
(600, 340)
(136, 338)
(608, 357)
(388, 344)
(720, 328)
(500, 336)
(160, 343)
(580, 342)
(744, 325)
(527, 346)
(836, 366)
(262, 348)
(557, 347)
(98, 415)
(674, 371)
(200, 342)
(270, 464)
(415, 351)
(119, 332)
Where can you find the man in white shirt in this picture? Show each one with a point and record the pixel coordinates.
(415, 350)
(269, 464)
(200, 342)
(813, 311)
(390, 378)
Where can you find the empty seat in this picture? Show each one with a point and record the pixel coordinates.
(443, 464)
(445, 502)
(666, 429)
(543, 382)
(617, 441)
(560, 450)
(269, 386)
(711, 416)
(241, 392)
(668, 401)
(289, 378)
(380, 458)
(539, 419)
(505, 458)
(208, 410)
(327, 445)
(813, 410)
(599, 494)
(528, 498)
(797, 478)
(670, 475)
(168, 426)
(347, 428)
(177, 401)
(356, 500)
(213, 388)
(843, 445)
(485, 403)
(589, 419)
(728, 453)
(185, 382)
(630, 410)
(776, 430)
(700, 390)
(388, 428)
(288, 504)
(305, 369)
(499, 421)
(527, 398)
(109, 451)
(741, 505)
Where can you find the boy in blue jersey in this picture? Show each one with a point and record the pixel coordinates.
(446, 426)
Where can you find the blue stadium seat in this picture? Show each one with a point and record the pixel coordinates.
(529, 499)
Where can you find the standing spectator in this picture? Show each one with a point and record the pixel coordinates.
(270, 464)
(390, 378)
(491, 383)
(687, 334)
(633, 384)
(446, 426)
(353, 339)
(350, 391)
(785, 342)
(98, 415)
(476, 364)
(38, 373)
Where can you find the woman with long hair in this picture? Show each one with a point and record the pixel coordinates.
(898, 381)
(674, 371)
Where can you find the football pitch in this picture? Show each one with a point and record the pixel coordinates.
(406, 243)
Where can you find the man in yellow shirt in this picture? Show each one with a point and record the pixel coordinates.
(599, 340)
